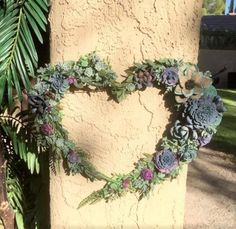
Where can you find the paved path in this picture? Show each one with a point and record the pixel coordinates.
(211, 191)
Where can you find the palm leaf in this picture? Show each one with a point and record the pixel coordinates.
(23, 142)
(18, 56)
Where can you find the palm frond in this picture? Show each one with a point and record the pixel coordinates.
(23, 142)
(18, 56)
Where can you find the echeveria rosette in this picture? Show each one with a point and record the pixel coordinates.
(166, 161)
(144, 78)
(191, 85)
(47, 129)
(37, 104)
(71, 80)
(205, 137)
(183, 132)
(169, 76)
(188, 152)
(202, 113)
(73, 157)
(58, 84)
(147, 174)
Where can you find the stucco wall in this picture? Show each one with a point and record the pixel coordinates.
(117, 135)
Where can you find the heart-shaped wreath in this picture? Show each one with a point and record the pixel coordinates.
(199, 107)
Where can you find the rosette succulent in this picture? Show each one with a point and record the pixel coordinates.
(47, 129)
(58, 83)
(191, 84)
(169, 76)
(37, 104)
(147, 174)
(73, 157)
(202, 113)
(204, 138)
(183, 132)
(144, 78)
(188, 152)
(219, 104)
(125, 183)
(166, 161)
(71, 80)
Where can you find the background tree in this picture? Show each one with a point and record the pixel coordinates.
(213, 7)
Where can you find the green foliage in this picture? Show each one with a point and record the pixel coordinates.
(213, 7)
(20, 22)
(18, 55)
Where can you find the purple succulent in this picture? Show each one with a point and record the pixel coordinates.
(204, 139)
(166, 161)
(170, 76)
(71, 80)
(37, 104)
(219, 104)
(147, 174)
(73, 157)
(202, 113)
(144, 78)
(47, 129)
(125, 183)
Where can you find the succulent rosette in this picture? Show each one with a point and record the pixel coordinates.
(191, 84)
(183, 132)
(169, 76)
(37, 104)
(144, 78)
(188, 152)
(202, 113)
(58, 83)
(73, 157)
(71, 80)
(126, 183)
(147, 174)
(47, 129)
(204, 138)
(166, 161)
(219, 104)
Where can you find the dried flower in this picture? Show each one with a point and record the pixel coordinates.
(191, 84)
(47, 129)
(147, 174)
(165, 161)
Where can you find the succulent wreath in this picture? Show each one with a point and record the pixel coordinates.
(199, 109)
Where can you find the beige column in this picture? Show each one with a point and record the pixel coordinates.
(116, 135)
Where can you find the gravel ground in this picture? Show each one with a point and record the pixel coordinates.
(211, 191)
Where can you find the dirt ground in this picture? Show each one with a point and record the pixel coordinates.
(211, 191)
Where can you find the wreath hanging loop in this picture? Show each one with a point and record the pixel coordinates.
(198, 106)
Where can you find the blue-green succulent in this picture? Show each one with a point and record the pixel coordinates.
(202, 113)
(183, 132)
(188, 152)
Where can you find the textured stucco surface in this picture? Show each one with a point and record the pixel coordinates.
(116, 135)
